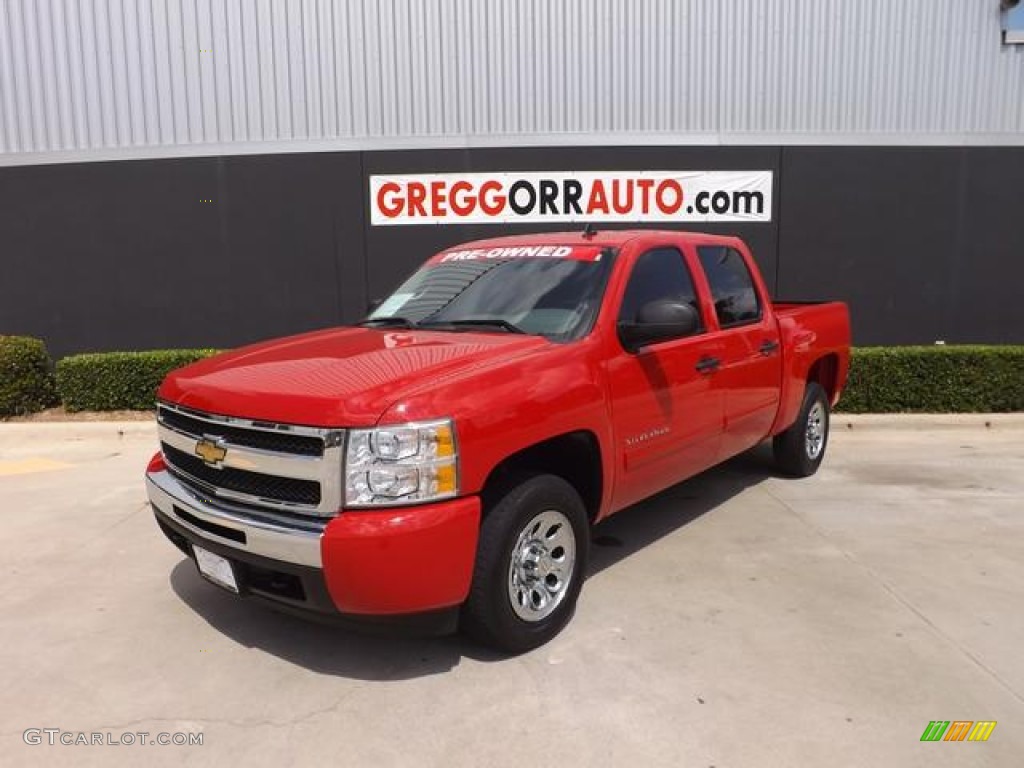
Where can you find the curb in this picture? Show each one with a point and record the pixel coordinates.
(883, 421)
(72, 430)
(846, 421)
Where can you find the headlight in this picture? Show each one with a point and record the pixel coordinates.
(402, 464)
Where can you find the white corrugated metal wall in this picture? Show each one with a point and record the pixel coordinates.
(88, 79)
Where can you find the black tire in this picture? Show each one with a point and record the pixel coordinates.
(793, 450)
(488, 615)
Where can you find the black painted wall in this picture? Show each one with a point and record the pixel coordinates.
(925, 243)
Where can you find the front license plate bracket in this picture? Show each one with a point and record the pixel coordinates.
(215, 568)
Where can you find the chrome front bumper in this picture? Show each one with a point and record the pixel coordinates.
(297, 543)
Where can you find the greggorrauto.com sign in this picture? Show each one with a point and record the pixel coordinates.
(517, 198)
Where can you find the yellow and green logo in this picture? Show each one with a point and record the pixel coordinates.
(958, 730)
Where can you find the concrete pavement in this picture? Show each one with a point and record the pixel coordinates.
(738, 619)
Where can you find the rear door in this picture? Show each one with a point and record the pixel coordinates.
(666, 408)
(751, 359)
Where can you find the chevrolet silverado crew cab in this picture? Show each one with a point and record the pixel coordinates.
(443, 460)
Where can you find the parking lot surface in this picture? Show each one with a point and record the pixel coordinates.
(738, 619)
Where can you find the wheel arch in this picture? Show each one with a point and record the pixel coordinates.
(825, 372)
(573, 456)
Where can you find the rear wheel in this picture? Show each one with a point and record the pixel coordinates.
(530, 564)
(800, 449)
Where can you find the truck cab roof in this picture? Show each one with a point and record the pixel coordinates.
(602, 238)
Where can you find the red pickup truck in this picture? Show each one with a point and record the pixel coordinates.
(443, 460)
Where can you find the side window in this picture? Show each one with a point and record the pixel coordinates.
(732, 287)
(658, 274)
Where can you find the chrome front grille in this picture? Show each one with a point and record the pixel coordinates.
(280, 467)
(268, 438)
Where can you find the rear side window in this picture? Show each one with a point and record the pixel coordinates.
(732, 286)
(658, 274)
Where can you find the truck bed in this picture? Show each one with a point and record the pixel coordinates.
(819, 316)
(813, 333)
(789, 307)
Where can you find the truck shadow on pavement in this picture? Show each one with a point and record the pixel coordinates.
(639, 526)
(342, 652)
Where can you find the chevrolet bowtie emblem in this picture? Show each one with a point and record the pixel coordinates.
(211, 450)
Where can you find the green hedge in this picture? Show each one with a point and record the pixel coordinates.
(26, 376)
(112, 381)
(935, 379)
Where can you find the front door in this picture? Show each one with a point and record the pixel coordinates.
(666, 403)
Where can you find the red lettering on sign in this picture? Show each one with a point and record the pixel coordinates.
(645, 193)
(622, 203)
(461, 206)
(437, 198)
(387, 204)
(598, 198)
(496, 203)
(416, 193)
(676, 190)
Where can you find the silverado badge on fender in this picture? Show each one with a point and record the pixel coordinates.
(211, 450)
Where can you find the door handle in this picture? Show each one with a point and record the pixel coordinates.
(708, 364)
(768, 347)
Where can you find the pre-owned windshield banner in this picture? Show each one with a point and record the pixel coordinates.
(514, 198)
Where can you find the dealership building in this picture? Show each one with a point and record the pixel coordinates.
(177, 173)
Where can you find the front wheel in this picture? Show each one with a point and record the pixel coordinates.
(800, 449)
(530, 564)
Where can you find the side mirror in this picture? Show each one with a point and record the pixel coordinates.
(659, 321)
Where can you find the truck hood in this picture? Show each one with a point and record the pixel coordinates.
(335, 378)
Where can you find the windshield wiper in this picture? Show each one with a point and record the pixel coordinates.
(401, 322)
(491, 322)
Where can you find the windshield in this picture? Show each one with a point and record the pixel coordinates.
(551, 297)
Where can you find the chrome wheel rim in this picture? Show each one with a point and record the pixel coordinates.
(814, 436)
(542, 565)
